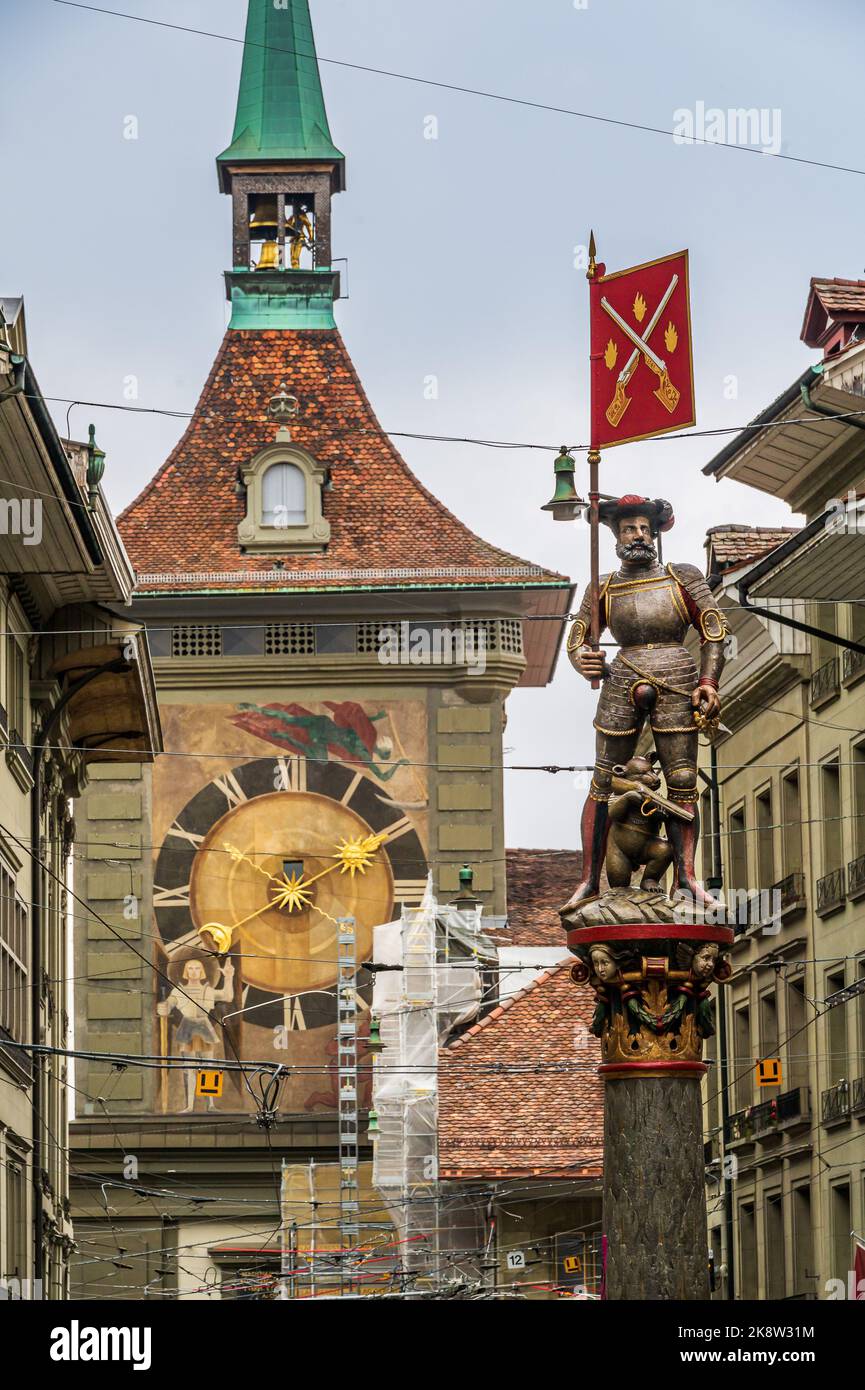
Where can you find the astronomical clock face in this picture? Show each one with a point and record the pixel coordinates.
(265, 860)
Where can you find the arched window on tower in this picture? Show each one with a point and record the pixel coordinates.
(283, 488)
(283, 496)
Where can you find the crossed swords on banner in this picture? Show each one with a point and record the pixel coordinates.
(665, 391)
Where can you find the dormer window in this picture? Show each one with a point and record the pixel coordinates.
(283, 496)
(283, 502)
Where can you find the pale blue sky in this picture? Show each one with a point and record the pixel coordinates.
(460, 250)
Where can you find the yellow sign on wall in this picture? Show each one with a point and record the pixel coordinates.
(769, 1072)
(209, 1083)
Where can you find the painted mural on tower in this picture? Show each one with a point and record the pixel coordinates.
(318, 812)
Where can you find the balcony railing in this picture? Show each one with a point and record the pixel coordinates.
(826, 681)
(739, 1127)
(858, 1102)
(792, 890)
(753, 910)
(835, 1104)
(856, 877)
(830, 892)
(794, 1105)
(759, 1121)
(852, 664)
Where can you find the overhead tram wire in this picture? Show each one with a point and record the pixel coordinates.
(551, 768)
(502, 97)
(394, 618)
(407, 615)
(425, 437)
(514, 1069)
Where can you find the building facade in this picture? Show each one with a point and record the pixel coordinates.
(333, 650)
(76, 690)
(787, 1163)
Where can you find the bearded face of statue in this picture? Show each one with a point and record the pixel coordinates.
(634, 541)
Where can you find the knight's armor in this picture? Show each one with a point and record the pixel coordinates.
(648, 615)
(648, 610)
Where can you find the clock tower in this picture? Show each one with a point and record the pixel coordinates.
(333, 649)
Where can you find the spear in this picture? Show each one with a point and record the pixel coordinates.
(594, 459)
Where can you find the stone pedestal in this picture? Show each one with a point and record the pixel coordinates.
(654, 1188)
(651, 967)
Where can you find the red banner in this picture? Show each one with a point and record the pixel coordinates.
(642, 366)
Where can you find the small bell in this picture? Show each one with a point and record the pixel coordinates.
(263, 227)
(565, 503)
(375, 1044)
(269, 258)
(373, 1131)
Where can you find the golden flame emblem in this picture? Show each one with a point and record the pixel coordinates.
(639, 308)
(671, 338)
(611, 352)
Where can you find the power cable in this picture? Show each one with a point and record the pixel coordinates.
(471, 91)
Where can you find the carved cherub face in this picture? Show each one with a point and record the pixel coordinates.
(603, 964)
(704, 960)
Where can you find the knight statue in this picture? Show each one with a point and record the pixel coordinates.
(648, 608)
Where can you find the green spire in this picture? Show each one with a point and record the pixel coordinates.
(280, 106)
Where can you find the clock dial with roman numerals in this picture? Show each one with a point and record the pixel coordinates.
(275, 817)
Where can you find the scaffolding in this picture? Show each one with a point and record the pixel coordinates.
(349, 1202)
(436, 957)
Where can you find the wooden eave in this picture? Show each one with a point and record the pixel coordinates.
(80, 557)
(828, 564)
(32, 477)
(114, 717)
(800, 456)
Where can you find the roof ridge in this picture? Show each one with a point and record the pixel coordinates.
(835, 280)
(501, 1009)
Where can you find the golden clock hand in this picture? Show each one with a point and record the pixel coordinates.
(217, 927)
(239, 857)
(352, 856)
(305, 882)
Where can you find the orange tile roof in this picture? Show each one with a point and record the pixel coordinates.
(736, 545)
(523, 1123)
(840, 297)
(387, 529)
(540, 881)
(831, 302)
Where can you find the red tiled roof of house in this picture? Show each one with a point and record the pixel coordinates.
(181, 531)
(539, 881)
(831, 302)
(516, 1123)
(737, 545)
(840, 296)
